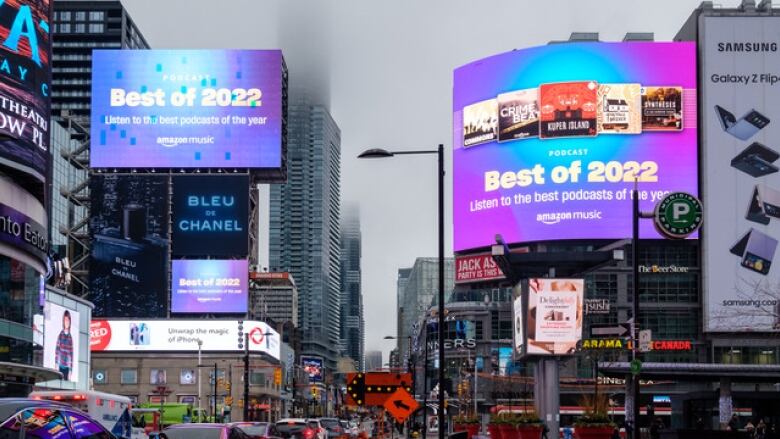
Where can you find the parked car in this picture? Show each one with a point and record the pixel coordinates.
(258, 430)
(21, 417)
(204, 431)
(333, 428)
(297, 428)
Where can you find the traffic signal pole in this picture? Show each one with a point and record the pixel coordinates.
(246, 377)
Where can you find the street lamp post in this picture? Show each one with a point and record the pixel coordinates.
(200, 407)
(381, 153)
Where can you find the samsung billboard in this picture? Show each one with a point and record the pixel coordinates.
(548, 141)
(25, 74)
(740, 112)
(186, 109)
(211, 215)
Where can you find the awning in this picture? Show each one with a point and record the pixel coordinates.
(711, 372)
(34, 374)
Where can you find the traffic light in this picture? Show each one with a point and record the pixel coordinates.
(314, 392)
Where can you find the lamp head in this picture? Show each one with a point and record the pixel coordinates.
(375, 153)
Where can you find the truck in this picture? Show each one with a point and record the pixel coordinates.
(112, 411)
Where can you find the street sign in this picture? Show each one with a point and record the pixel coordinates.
(678, 215)
(636, 367)
(645, 340)
(602, 330)
(609, 344)
(373, 388)
(401, 405)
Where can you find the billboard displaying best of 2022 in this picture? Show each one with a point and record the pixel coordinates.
(548, 141)
(186, 109)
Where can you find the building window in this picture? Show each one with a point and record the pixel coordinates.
(65, 28)
(100, 376)
(129, 376)
(96, 28)
(256, 378)
(80, 28)
(96, 16)
(158, 377)
(64, 16)
(81, 16)
(188, 376)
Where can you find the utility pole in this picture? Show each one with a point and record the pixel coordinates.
(246, 377)
(635, 310)
(216, 382)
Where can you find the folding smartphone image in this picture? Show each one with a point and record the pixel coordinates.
(764, 204)
(756, 250)
(744, 128)
(756, 160)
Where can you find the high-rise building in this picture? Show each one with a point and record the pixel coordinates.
(420, 293)
(79, 27)
(304, 225)
(273, 296)
(352, 323)
(373, 360)
(403, 279)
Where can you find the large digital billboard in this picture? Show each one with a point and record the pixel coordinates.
(210, 215)
(547, 316)
(146, 335)
(61, 341)
(186, 109)
(129, 260)
(741, 122)
(548, 141)
(25, 74)
(210, 286)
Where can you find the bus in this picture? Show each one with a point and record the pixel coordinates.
(112, 411)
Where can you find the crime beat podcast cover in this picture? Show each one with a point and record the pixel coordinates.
(568, 109)
(518, 114)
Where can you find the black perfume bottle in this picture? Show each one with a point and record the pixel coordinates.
(128, 268)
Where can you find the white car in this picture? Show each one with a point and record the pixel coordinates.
(315, 425)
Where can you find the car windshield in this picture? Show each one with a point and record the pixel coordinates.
(194, 433)
(254, 429)
(329, 423)
(292, 427)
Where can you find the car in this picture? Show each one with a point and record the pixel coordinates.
(298, 428)
(333, 428)
(204, 431)
(23, 417)
(350, 427)
(317, 426)
(258, 430)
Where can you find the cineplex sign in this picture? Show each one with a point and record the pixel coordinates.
(182, 336)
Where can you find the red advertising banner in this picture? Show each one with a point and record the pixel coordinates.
(476, 268)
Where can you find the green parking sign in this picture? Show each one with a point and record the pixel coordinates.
(677, 215)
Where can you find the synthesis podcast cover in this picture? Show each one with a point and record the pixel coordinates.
(518, 114)
(619, 108)
(568, 109)
(480, 123)
(662, 108)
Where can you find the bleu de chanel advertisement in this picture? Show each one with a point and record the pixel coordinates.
(210, 215)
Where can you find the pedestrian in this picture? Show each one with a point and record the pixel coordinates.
(699, 423)
(760, 430)
(655, 429)
(733, 424)
(545, 430)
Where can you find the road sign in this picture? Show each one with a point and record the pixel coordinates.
(678, 215)
(602, 330)
(401, 405)
(636, 367)
(373, 388)
(645, 340)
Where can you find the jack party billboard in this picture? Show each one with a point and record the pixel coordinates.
(25, 74)
(186, 109)
(549, 140)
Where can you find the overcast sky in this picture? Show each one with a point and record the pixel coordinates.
(385, 71)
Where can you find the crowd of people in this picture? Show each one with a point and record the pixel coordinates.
(761, 429)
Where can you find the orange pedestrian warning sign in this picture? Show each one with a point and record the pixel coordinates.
(401, 405)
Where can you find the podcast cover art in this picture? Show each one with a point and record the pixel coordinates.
(619, 108)
(518, 114)
(662, 108)
(568, 109)
(480, 122)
